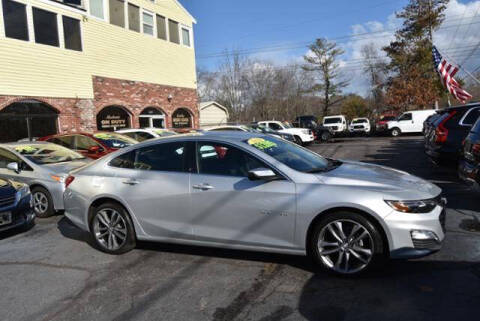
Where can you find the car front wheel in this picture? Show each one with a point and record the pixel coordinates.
(42, 202)
(346, 244)
(395, 132)
(112, 229)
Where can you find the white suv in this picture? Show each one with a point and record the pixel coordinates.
(359, 125)
(337, 123)
(302, 135)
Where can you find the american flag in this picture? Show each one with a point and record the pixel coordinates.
(447, 71)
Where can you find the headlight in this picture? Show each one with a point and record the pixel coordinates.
(423, 206)
(23, 191)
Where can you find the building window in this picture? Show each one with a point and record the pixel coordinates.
(72, 33)
(96, 9)
(45, 27)
(161, 28)
(133, 17)
(117, 13)
(148, 23)
(173, 31)
(186, 37)
(15, 20)
(181, 118)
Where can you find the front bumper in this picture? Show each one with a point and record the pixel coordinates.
(416, 235)
(22, 214)
(470, 174)
(307, 138)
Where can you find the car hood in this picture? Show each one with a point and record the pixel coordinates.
(66, 167)
(394, 184)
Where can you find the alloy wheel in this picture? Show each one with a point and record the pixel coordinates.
(40, 202)
(345, 246)
(110, 229)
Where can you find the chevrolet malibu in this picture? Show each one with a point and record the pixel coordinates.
(255, 192)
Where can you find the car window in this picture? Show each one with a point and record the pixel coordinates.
(168, 157)
(65, 141)
(221, 159)
(289, 154)
(139, 136)
(335, 120)
(114, 140)
(476, 127)
(471, 117)
(407, 116)
(85, 143)
(275, 126)
(7, 157)
(47, 153)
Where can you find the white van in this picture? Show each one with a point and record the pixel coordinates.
(409, 122)
(337, 123)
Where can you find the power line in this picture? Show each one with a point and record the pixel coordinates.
(339, 39)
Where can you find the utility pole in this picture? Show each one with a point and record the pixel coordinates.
(430, 35)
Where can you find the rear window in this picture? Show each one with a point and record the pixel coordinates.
(471, 117)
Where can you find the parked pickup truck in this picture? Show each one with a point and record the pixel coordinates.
(320, 132)
(303, 136)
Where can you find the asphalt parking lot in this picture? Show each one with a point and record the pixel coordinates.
(52, 272)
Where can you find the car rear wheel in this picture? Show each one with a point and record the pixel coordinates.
(346, 244)
(112, 229)
(42, 202)
(325, 136)
(395, 132)
(298, 140)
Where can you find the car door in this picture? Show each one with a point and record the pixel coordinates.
(25, 175)
(155, 182)
(405, 123)
(230, 208)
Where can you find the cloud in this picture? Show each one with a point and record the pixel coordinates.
(456, 39)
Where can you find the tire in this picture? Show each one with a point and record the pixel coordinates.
(42, 202)
(395, 132)
(361, 253)
(110, 237)
(298, 140)
(325, 137)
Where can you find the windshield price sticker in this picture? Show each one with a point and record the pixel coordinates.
(261, 143)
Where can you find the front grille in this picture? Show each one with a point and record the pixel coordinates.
(425, 244)
(335, 127)
(358, 127)
(8, 201)
(443, 220)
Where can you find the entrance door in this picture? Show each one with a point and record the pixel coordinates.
(229, 208)
(27, 120)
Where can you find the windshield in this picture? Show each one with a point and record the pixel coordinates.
(335, 120)
(387, 118)
(114, 140)
(47, 153)
(290, 154)
(359, 121)
(286, 124)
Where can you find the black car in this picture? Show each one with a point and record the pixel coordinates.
(321, 132)
(443, 139)
(15, 205)
(469, 166)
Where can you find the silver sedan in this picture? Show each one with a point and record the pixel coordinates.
(255, 192)
(44, 167)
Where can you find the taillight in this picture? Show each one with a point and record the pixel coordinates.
(476, 149)
(69, 180)
(441, 133)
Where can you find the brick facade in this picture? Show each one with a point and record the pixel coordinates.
(76, 115)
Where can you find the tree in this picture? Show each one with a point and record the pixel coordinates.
(413, 83)
(355, 106)
(375, 68)
(322, 60)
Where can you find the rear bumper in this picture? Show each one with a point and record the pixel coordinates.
(440, 153)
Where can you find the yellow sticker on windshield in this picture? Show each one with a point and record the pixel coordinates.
(103, 136)
(261, 143)
(25, 149)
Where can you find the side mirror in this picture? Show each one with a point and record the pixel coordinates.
(94, 150)
(13, 167)
(261, 174)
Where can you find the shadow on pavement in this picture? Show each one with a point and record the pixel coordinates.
(406, 290)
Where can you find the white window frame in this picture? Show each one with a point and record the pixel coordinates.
(106, 13)
(189, 29)
(31, 33)
(154, 18)
(82, 44)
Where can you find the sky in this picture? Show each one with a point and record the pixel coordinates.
(279, 31)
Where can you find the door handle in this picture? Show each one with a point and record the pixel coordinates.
(131, 182)
(203, 187)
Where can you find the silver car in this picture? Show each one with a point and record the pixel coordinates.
(255, 192)
(44, 167)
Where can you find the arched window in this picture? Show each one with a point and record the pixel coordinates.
(181, 118)
(152, 117)
(113, 118)
(27, 119)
